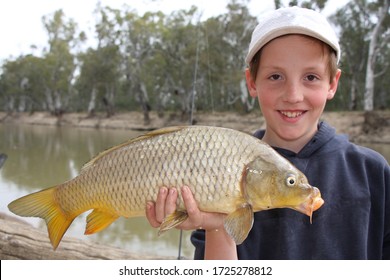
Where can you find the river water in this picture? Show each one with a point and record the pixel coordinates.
(44, 156)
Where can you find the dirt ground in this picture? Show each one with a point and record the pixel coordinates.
(373, 128)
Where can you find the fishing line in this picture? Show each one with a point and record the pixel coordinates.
(180, 244)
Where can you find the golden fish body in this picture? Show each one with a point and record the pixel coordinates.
(227, 171)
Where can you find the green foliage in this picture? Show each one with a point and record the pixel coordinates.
(355, 22)
(161, 62)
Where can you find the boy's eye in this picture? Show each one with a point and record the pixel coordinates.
(275, 77)
(311, 78)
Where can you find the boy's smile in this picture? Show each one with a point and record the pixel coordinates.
(293, 85)
(292, 115)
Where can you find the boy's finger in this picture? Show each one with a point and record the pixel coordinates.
(160, 204)
(170, 203)
(150, 212)
(194, 214)
(198, 219)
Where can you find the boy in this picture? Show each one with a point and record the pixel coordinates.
(293, 71)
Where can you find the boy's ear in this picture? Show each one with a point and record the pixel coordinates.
(250, 83)
(333, 85)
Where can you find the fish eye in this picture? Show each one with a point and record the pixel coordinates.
(290, 181)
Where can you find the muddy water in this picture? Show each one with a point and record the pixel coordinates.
(43, 156)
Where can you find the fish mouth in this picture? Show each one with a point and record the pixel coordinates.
(313, 203)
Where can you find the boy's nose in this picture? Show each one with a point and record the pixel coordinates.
(293, 93)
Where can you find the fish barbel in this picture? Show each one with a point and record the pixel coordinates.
(227, 171)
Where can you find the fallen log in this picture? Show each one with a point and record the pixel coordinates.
(21, 241)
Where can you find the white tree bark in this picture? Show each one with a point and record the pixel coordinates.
(372, 53)
(49, 100)
(92, 102)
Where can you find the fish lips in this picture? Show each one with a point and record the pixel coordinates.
(313, 203)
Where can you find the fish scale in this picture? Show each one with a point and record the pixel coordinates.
(227, 171)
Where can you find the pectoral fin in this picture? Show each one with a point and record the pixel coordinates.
(98, 220)
(172, 220)
(238, 223)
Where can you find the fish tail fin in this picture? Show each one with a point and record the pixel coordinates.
(42, 204)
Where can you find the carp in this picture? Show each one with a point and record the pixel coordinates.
(228, 171)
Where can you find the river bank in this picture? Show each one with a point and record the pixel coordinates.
(361, 128)
(21, 241)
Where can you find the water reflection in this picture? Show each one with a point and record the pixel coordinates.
(43, 156)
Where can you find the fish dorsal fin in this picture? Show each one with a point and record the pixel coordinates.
(148, 135)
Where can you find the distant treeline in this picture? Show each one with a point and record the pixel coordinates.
(181, 61)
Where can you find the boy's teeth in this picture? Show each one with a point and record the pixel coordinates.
(291, 114)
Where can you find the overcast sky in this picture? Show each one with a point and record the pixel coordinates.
(21, 20)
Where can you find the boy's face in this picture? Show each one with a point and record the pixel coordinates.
(292, 86)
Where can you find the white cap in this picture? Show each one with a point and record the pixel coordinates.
(292, 20)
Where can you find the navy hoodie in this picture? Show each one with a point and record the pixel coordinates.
(353, 223)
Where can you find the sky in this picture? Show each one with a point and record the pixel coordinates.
(21, 20)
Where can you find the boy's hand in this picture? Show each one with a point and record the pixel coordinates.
(166, 204)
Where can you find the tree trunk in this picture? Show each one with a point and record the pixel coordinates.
(92, 102)
(370, 74)
(58, 104)
(108, 100)
(49, 100)
(22, 104)
(352, 106)
(10, 104)
(21, 241)
(144, 100)
(245, 100)
(369, 92)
